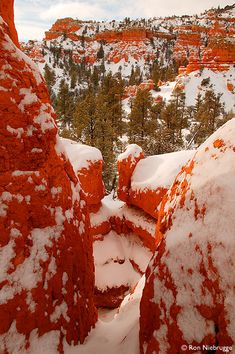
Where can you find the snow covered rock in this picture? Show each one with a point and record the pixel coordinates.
(189, 41)
(46, 263)
(142, 183)
(152, 178)
(120, 261)
(126, 165)
(87, 162)
(189, 296)
(123, 219)
(123, 241)
(7, 13)
(64, 26)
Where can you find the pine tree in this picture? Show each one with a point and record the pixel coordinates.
(113, 88)
(100, 53)
(155, 75)
(65, 105)
(92, 123)
(174, 120)
(142, 125)
(50, 77)
(207, 115)
(84, 120)
(105, 138)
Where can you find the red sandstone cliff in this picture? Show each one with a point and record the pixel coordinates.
(189, 291)
(7, 14)
(47, 272)
(65, 26)
(217, 55)
(189, 42)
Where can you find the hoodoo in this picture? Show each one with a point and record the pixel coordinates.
(188, 298)
(47, 271)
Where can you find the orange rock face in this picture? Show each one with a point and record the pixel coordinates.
(131, 35)
(87, 163)
(188, 296)
(230, 86)
(47, 271)
(219, 52)
(65, 26)
(126, 165)
(189, 41)
(110, 298)
(92, 183)
(7, 14)
(135, 34)
(131, 91)
(34, 51)
(147, 200)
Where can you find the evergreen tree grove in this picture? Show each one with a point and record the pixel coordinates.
(142, 126)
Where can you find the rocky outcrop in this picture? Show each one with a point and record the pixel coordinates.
(217, 55)
(189, 291)
(144, 181)
(220, 51)
(47, 271)
(66, 26)
(131, 91)
(34, 51)
(126, 43)
(189, 42)
(120, 261)
(230, 86)
(7, 14)
(87, 162)
(127, 162)
(130, 223)
(123, 247)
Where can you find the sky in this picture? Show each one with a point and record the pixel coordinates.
(34, 17)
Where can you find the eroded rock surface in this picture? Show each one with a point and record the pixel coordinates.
(47, 271)
(190, 282)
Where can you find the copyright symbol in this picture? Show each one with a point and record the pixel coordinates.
(184, 347)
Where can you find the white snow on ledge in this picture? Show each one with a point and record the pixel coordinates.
(159, 170)
(80, 155)
(132, 150)
(112, 258)
(117, 208)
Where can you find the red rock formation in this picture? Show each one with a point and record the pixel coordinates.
(47, 272)
(230, 86)
(158, 99)
(128, 35)
(149, 85)
(189, 41)
(87, 163)
(219, 53)
(137, 221)
(126, 165)
(148, 199)
(65, 26)
(151, 178)
(188, 296)
(120, 261)
(131, 91)
(131, 35)
(92, 184)
(34, 51)
(111, 297)
(161, 35)
(108, 36)
(7, 14)
(134, 34)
